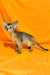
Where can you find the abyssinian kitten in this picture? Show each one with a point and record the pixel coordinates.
(20, 38)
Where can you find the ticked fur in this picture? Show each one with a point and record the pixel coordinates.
(20, 38)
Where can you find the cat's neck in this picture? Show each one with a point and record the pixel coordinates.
(14, 31)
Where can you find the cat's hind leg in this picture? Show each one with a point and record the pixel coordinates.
(31, 48)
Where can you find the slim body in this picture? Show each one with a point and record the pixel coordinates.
(21, 38)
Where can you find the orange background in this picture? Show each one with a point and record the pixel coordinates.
(33, 17)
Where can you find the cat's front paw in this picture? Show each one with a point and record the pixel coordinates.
(19, 52)
(16, 50)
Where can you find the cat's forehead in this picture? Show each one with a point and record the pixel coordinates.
(9, 24)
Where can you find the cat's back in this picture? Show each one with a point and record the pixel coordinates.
(23, 35)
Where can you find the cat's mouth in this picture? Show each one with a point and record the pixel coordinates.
(9, 30)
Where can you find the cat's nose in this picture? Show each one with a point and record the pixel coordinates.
(7, 29)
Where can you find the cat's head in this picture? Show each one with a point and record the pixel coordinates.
(10, 27)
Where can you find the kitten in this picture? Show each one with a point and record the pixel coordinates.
(20, 38)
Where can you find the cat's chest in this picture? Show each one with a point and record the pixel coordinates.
(14, 37)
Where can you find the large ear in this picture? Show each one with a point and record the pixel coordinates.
(4, 21)
(15, 24)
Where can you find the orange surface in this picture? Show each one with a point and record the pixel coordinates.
(33, 17)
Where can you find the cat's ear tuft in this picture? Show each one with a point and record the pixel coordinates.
(15, 24)
(4, 21)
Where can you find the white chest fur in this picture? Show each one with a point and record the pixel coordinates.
(13, 36)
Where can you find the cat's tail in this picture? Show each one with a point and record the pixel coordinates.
(39, 45)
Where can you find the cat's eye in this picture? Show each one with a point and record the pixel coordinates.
(9, 27)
